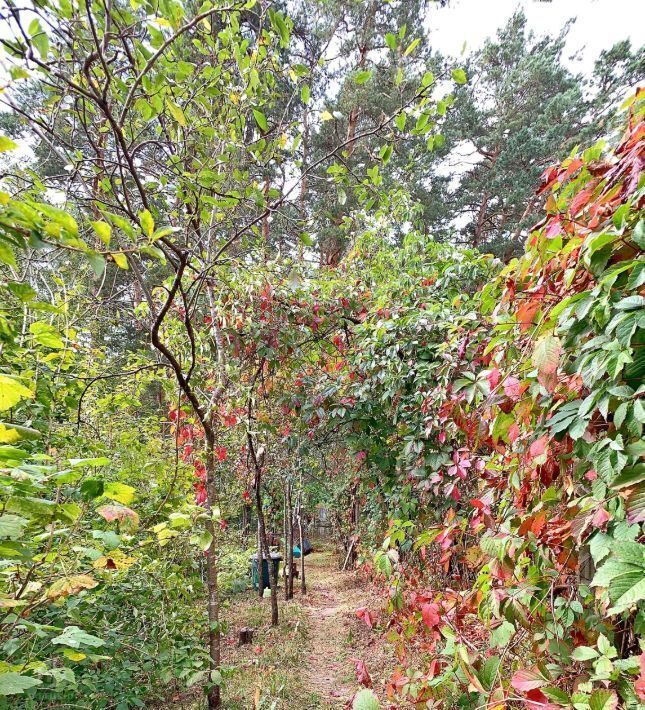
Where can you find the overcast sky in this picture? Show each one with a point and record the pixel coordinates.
(599, 23)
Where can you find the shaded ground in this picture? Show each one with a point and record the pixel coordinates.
(335, 635)
(306, 663)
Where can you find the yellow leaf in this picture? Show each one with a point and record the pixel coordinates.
(147, 223)
(114, 560)
(73, 655)
(119, 492)
(176, 113)
(12, 391)
(104, 231)
(120, 259)
(66, 586)
(7, 144)
(8, 436)
(12, 603)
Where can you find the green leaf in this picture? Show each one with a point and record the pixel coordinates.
(281, 26)
(556, 694)
(629, 476)
(12, 391)
(502, 634)
(92, 488)
(47, 335)
(10, 433)
(584, 653)
(400, 120)
(97, 262)
(459, 76)
(6, 255)
(163, 232)
(11, 526)
(488, 673)
(626, 591)
(638, 236)
(427, 79)
(22, 291)
(261, 120)
(390, 40)
(631, 303)
(362, 76)
(603, 700)
(84, 463)
(15, 684)
(39, 38)
(305, 93)
(365, 700)
(204, 540)
(7, 144)
(74, 637)
(412, 46)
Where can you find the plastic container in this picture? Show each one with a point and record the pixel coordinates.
(276, 558)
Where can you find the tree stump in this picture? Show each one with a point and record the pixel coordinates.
(246, 636)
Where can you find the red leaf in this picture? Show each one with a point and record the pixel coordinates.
(526, 313)
(579, 201)
(538, 447)
(513, 432)
(554, 228)
(600, 518)
(362, 675)
(430, 615)
(537, 700)
(118, 512)
(366, 616)
(527, 680)
(512, 388)
(639, 685)
(493, 378)
(574, 165)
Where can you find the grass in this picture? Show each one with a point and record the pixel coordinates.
(267, 675)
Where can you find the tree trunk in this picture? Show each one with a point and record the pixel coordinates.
(260, 555)
(290, 550)
(481, 217)
(303, 178)
(285, 527)
(265, 554)
(246, 524)
(214, 635)
(303, 584)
